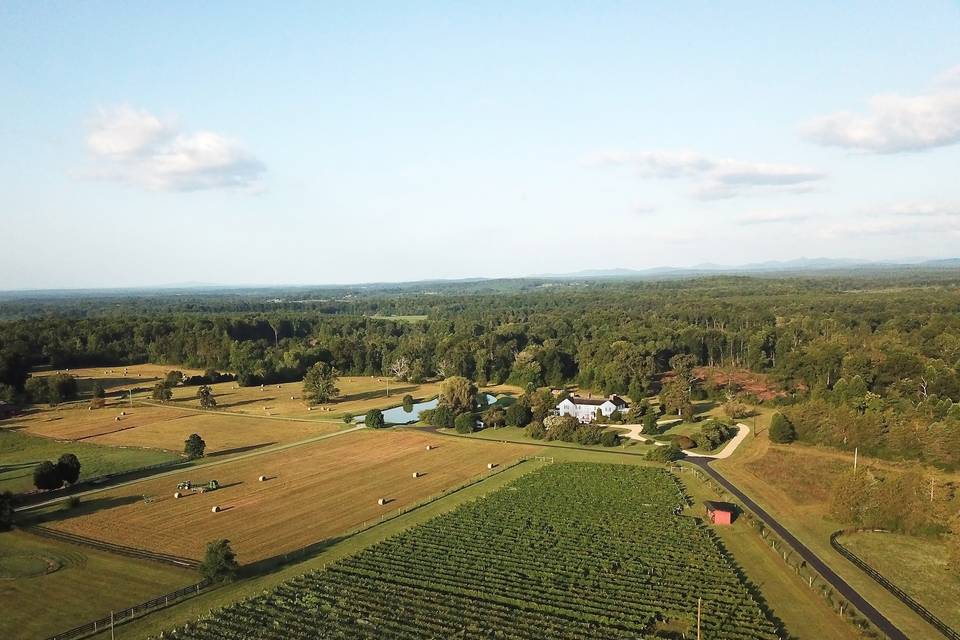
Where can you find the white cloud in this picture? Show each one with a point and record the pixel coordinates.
(643, 208)
(134, 146)
(896, 123)
(902, 218)
(772, 217)
(713, 178)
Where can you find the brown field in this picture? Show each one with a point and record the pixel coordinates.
(159, 427)
(118, 377)
(757, 384)
(358, 394)
(314, 492)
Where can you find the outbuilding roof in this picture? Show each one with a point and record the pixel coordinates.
(714, 505)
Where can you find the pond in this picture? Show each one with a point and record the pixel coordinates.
(397, 415)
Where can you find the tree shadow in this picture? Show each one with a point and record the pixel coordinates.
(251, 447)
(85, 508)
(377, 393)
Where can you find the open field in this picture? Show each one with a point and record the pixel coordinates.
(314, 492)
(21, 452)
(86, 584)
(515, 564)
(165, 427)
(916, 565)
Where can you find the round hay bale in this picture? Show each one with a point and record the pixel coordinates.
(416, 474)
(116, 419)
(262, 479)
(382, 501)
(177, 494)
(293, 397)
(216, 508)
(490, 465)
(429, 447)
(309, 408)
(123, 413)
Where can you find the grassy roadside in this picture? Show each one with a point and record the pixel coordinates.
(810, 524)
(802, 610)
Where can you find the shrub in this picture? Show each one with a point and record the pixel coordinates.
(518, 415)
(442, 416)
(669, 453)
(494, 417)
(161, 392)
(588, 434)
(7, 504)
(46, 477)
(736, 409)
(536, 431)
(374, 419)
(465, 422)
(347, 418)
(408, 403)
(610, 438)
(781, 429)
(68, 468)
(684, 442)
(563, 428)
(650, 423)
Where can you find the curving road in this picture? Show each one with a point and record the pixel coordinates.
(839, 584)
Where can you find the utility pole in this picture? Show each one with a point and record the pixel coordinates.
(699, 601)
(855, 451)
(111, 626)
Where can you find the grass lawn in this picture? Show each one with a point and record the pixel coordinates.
(518, 435)
(916, 565)
(21, 452)
(87, 584)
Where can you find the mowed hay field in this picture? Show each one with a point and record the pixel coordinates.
(165, 427)
(314, 492)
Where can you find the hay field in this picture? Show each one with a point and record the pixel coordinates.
(358, 394)
(119, 377)
(165, 427)
(314, 492)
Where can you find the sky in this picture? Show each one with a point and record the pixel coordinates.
(155, 143)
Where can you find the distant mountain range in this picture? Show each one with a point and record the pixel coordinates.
(772, 266)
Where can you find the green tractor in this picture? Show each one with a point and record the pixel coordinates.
(186, 485)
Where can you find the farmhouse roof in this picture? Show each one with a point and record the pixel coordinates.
(714, 505)
(596, 402)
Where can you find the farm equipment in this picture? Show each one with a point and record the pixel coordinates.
(186, 485)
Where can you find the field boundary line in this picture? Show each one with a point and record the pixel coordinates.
(136, 611)
(109, 547)
(896, 591)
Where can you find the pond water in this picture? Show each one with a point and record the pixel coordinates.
(397, 415)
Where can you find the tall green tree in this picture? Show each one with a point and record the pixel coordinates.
(320, 383)
(68, 468)
(219, 562)
(205, 395)
(458, 393)
(194, 446)
(46, 477)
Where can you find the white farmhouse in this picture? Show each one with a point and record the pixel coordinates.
(585, 409)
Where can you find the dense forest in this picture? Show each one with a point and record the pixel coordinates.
(867, 361)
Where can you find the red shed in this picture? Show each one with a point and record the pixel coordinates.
(720, 512)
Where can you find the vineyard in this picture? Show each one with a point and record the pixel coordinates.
(569, 551)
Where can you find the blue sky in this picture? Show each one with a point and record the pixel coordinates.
(261, 143)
